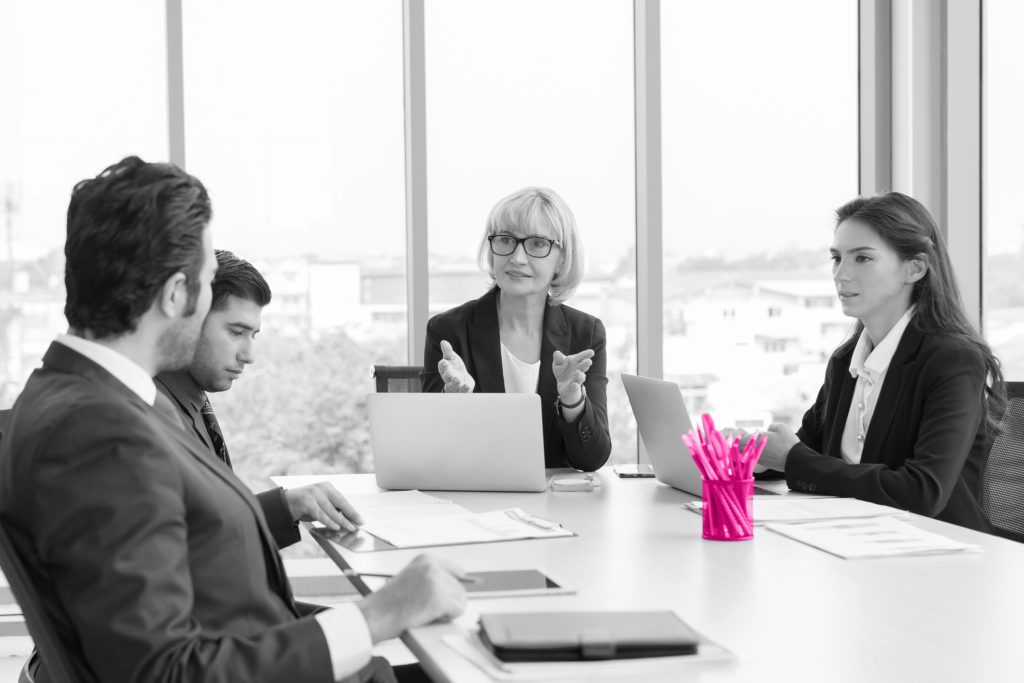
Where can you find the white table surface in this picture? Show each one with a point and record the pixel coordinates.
(788, 612)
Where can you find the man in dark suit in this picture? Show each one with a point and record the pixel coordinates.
(154, 562)
(240, 293)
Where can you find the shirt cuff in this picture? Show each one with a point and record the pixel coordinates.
(348, 638)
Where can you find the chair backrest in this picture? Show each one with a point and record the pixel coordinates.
(59, 667)
(1002, 489)
(58, 664)
(397, 378)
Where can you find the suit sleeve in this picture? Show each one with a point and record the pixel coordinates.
(588, 441)
(430, 378)
(952, 392)
(279, 518)
(119, 562)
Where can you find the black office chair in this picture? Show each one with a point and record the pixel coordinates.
(397, 378)
(1002, 485)
(58, 665)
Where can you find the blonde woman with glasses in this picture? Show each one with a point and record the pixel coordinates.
(520, 337)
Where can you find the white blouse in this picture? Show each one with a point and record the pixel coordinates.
(520, 377)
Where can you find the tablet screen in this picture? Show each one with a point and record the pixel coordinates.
(514, 582)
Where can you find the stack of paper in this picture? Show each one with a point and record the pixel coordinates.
(878, 537)
(413, 519)
(461, 526)
(797, 509)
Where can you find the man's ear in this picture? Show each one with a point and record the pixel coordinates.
(173, 297)
(916, 268)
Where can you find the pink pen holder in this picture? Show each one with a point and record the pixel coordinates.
(728, 509)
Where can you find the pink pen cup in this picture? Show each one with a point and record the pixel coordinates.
(728, 509)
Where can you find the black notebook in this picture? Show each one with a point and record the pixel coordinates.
(570, 636)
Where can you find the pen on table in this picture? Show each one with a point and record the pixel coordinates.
(471, 580)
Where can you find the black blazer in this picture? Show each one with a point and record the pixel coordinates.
(927, 441)
(186, 397)
(472, 330)
(154, 561)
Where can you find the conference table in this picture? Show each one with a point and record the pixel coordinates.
(783, 610)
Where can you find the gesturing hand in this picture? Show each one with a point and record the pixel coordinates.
(570, 374)
(452, 369)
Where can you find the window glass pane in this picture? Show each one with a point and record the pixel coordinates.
(527, 93)
(80, 92)
(294, 120)
(760, 147)
(1004, 179)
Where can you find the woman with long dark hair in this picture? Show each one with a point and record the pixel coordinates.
(907, 412)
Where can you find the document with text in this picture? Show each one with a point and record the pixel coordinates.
(867, 538)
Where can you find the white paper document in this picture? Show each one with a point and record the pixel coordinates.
(786, 509)
(453, 527)
(866, 538)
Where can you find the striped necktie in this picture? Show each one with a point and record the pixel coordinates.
(220, 448)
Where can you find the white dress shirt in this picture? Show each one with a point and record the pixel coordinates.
(345, 630)
(520, 377)
(869, 366)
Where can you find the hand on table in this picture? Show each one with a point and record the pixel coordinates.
(781, 440)
(323, 503)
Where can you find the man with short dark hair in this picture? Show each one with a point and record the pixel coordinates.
(154, 562)
(225, 347)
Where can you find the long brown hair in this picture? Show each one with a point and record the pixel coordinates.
(909, 229)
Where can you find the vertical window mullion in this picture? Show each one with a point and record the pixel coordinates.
(417, 282)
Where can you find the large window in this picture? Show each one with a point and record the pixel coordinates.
(294, 120)
(1004, 183)
(75, 100)
(759, 148)
(526, 93)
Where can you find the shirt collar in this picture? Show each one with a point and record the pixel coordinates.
(121, 367)
(873, 363)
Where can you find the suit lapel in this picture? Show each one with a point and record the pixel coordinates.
(226, 475)
(892, 391)
(842, 397)
(557, 337)
(485, 345)
(65, 359)
(177, 387)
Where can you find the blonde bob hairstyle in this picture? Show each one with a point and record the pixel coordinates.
(528, 212)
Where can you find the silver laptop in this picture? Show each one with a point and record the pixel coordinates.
(662, 419)
(457, 442)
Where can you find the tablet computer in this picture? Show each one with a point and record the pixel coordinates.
(514, 583)
(507, 583)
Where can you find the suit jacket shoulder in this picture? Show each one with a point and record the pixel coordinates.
(153, 563)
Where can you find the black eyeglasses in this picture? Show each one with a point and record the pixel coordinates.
(535, 246)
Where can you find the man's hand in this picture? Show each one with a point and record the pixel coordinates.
(452, 369)
(428, 589)
(323, 503)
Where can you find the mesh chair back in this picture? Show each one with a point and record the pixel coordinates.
(397, 378)
(1002, 488)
